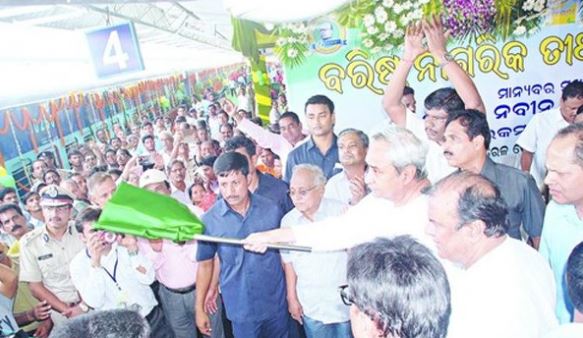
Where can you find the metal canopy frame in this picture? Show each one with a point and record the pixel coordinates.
(200, 24)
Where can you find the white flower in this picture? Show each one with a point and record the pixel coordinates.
(292, 53)
(281, 41)
(406, 5)
(376, 50)
(291, 39)
(379, 10)
(417, 14)
(388, 3)
(383, 36)
(369, 20)
(372, 30)
(520, 30)
(390, 26)
(423, 2)
(397, 8)
(405, 20)
(381, 15)
(539, 6)
(368, 43)
(398, 34)
(528, 5)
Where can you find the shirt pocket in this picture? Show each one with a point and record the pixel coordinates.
(50, 268)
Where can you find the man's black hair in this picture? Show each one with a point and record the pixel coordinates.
(5, 191)
(408, 91)
(474, 122)
(320, 99)
(574, 90)
(10, 206)
(446, 99)
(241, 142)
(229, 162)
(145, 137)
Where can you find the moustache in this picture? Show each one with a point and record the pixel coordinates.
(230, 197)
(16, 227)
(447, 153)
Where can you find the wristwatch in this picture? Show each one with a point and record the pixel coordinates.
(445, 59)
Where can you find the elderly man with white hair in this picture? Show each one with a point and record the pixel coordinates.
(313, 278)
(396, 206)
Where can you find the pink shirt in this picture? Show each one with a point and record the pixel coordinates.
(175, 265)
(266, 139)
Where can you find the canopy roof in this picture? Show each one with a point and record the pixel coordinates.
(45, 53)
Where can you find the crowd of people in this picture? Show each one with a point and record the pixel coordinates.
(414, 231)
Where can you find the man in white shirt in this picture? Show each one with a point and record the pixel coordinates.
(168, 146)
(32, 205)
(281, 144)
(348, 186)
(178, 184)
(574, 279)
(505, 288)
(563, 223)
(244, 101)
(313, 278)
(396, 206)
(541, 129)
(111, 274)
(439, 103)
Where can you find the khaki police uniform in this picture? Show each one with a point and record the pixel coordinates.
(45, 259)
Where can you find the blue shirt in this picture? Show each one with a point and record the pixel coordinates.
(562, 231)
(309, 153)
(252, 285)
(273, 189)
(276, 190)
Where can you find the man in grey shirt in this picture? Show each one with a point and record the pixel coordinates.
(467, 138)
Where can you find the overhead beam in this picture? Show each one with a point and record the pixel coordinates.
(51, 18)
(209, 40)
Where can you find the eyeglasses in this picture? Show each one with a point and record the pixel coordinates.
(302, 192)
(345, 295)
(59, 208)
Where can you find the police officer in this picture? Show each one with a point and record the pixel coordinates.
(46, 253)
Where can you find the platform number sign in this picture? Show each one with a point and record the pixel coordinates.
(115, 50)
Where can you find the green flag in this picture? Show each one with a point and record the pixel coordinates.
(143, 213)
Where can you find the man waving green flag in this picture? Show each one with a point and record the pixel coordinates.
(144, 213)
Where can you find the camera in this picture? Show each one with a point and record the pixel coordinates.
(108, 237)
(146, 162)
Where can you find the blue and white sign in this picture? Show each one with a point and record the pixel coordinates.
(115, 50)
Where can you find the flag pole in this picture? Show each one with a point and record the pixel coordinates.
(280, 246)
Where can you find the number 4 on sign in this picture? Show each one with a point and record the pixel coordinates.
(113, 53)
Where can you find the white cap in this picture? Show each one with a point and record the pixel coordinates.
(152, 176)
